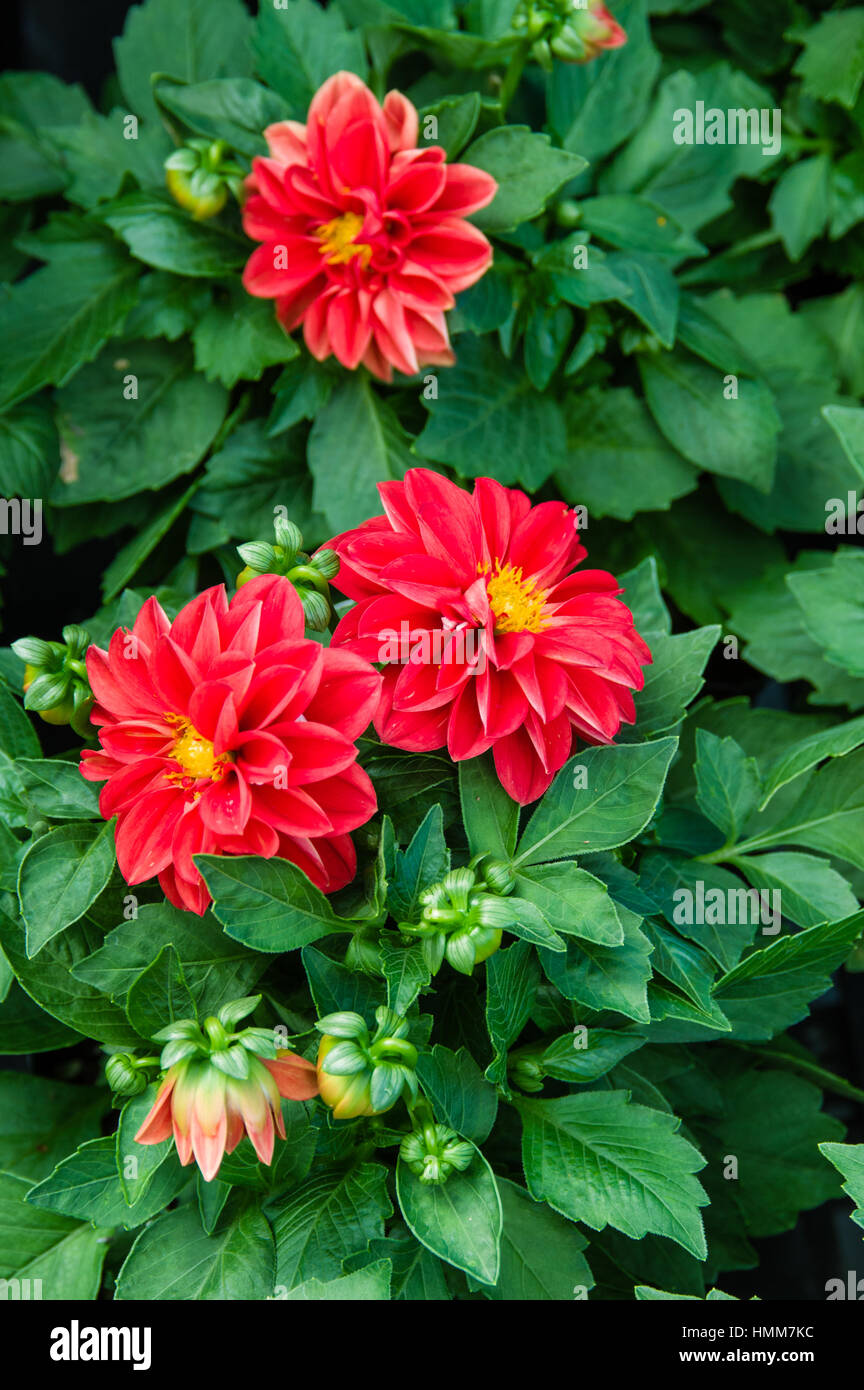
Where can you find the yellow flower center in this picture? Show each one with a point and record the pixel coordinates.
(194, 753)
(516, 602)
(338, 244)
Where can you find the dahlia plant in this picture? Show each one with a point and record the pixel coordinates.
(431, 756)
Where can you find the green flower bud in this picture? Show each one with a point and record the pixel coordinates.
(55, 681)
(123, 1076)
(200, 176)
(498, 876)
(326, 562)
(435, 1153)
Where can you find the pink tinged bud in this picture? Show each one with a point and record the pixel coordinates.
(209, 1113)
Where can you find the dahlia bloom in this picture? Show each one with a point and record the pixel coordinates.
(208, 1113)
(489, 639)
(227, 732)
(364, 235)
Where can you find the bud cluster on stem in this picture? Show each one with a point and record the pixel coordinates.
(55, 682)
(310, 574)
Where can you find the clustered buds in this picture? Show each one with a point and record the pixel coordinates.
(433, 1152)
(55, 678)
(310, 574)
(568, 30)
(200, 176)
(363, 1075)
(464, 914)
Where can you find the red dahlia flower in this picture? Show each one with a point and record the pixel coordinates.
(364, 236)
(227, 732)
(490, 641)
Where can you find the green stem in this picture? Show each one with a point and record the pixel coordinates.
(511, 77)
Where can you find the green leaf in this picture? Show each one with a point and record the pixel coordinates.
(50, 983)
(371, 1284)
(832, 64)
(137, 1164)
(234, 109)
(61, 874)
(459, 1094)
(86, 1185)
(810, 890)
(632, 223)
(835, 742)
(728, 783)
(250, 476)
(25, 1028)
(41, 1120)
(848, 1159)
(832, 602)
(541, 1254)
(336, 989)
(800, 203)
(17, 736)
(771, 988)
(175, 1260)
(417, 1275)
(29, 450)
(491, 818)
(653, 291)
(238, 337)
(458, 1220)
(56, 789)
(424, 862)
(735, 437)
(98, 154)
(124, 443)
(606, 977)
(455, 118)
(405, 971)
(588, 1053)
(216, 968)
(268, 904)
(168, 306)
(190, 40)
(299, 45)
(674, 678)
(600, 1159)
(618, 791)
(512, 979)
(356, 442)
(59, 317)
(573, 901)
(64, 1255)
(619, 463)
(489, 418)
(131, 556)
(160, 995)
(330, 1215)
(161, 234)
(780, 1172)
(827, 816)
(662, 875)
(528, 169)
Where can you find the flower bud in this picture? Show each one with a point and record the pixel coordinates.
(362, 1076)
(308, 575)
(498, 876)
(200, 175)
(435, 1153)
(124, 1076)
(55, 681)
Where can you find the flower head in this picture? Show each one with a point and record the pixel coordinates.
(228, 732)
(364, 235)
(221, 1087)
(515, 652)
